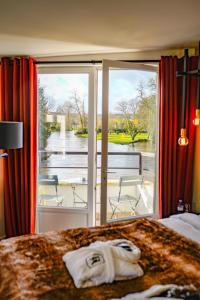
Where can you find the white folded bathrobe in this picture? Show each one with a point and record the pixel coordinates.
(103, 262)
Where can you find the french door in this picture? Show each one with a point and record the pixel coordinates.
(96, 165)
(128, 170)
(66, 147)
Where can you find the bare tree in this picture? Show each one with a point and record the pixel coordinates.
(128, 109)
(78, 107)
(133, 105)
(141, 90)
(51, 103)
(152, 85)
(123, 107)
(66, 108)
(146, 111)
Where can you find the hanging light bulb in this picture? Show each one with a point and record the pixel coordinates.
(183, 140)
(196, 120)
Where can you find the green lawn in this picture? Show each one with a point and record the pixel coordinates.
(120, 138)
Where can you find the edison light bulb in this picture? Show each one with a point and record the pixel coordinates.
(183, 140)
(196, 121)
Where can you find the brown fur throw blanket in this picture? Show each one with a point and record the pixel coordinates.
(31, 267)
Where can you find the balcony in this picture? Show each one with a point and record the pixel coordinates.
(63, 175)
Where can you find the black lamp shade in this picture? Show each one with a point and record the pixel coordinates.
(11, 135)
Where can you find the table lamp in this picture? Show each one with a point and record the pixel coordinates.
(11, 136)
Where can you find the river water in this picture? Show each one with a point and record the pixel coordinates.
(67, 166)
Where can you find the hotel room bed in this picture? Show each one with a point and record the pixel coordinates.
(187, 224)
(31, 267)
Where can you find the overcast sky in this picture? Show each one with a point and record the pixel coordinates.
(123, 85)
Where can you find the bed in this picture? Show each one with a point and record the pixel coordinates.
(187, 224)
(32, 266)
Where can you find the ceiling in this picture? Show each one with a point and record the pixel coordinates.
(61, 27)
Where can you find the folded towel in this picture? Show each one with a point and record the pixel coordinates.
(103, 262)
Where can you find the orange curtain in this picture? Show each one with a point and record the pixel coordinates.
(19, 103)
(175, 162)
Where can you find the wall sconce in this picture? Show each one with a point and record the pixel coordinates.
(183, 140)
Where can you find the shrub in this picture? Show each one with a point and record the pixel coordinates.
(82, 131)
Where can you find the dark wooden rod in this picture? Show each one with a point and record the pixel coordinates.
(93, 62)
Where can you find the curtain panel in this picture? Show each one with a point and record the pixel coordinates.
(19, 103)
(175, 162)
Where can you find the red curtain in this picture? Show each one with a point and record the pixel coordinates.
(19, 103)
(175, 162)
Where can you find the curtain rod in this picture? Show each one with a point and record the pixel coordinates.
(92, 61)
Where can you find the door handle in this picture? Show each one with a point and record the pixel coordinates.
(104, 174)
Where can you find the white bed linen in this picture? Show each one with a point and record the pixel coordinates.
(187, 224)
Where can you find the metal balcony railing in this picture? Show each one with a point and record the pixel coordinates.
(139, 167)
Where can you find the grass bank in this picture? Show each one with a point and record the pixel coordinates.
(120, 138)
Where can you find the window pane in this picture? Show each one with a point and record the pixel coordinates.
(131, 142)
(63, 140)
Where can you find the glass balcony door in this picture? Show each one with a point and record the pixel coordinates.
(67, 141)
(129, 140)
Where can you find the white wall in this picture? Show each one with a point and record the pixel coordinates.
(60, 218)
(151, 55)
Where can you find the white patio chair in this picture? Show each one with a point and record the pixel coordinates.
(133, 200)
(50, 180)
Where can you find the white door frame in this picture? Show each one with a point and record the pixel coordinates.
(92, 113)
(106, 65)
